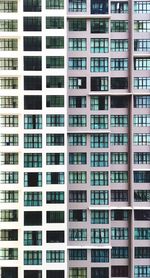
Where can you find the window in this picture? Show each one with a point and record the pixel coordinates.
(55, 197)
(118, 215)
(8, 196)
(78, 272)
(141, 271)
(119, 102)
(54, 81)
(99, 121)
(8, 44)
(99, 197)
(55, 217)
(32, 238)
(77, 44)
(9, 121)
(141, 26)
(55, 120)
(141, 158)
(54, 139)
(118, 45)
(77, 215)
(32, 43)
(55, 236)
(32, 179)
(99, 236)
(77, 101)
(121, 271)
(8, 64)
(142, 45)
(119, 233)
(33, 160)
(141, 101)
(119, 64)
(142, 233)
(55, 62)
(142, 215)
(8, 25)
(32, 23)
(32, 218)
(99, 103)
(32, 273)
(141, 7)
(119, 26)
(77, 5)
(32, 140)
(32, 121)
(99, 7)
(99, 159)
(54, 22)
(141, 139)
(32, 199)
(9, 140)
(9, 158)
(100, 272)
(77, 235)
(77, 139)
(77, 82)
(55, 159)
(77, 120)
(119, 195)
(32, 6)
(54, 101)
(8, 215)
(8, 83)
(99, 26)
(32, 257)
(119, 252)
(119, 7)
(99, 140)
(9, 177)
(77, 196)
(77, 158)
(142, 195)
(54, 274)
(77, 24)
(99, 256)
(8, 6)
(54, 4)
(99, 64)
(54, 42)
(77, 63)
(99, 217)
(55, 178)
(141, 64)
(32, 102)
(119, 158)
(8, 235)
(99, 178)
(142, 120)
(119, 83)
(77, 254)
(8, 254)
(99, 83)
(119, 139)
(119, 120)
(32, 83)
(142, 252)
(141, 176)
(99, 45)
(32, 63)
(9, 102)
(55, 256)
(77, 177)
(119, 177)
(142, 83)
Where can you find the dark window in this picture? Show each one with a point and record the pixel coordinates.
(33, 274)
(32, 6)
(55, 274)
(119, 83)
(142, 252)
(77, 254)
(55, 62)
(32, 179)
(54, 236)
(121, 271)
(9, 272)
(99, 26)
(32, 102)
(99, 7)
(99, 83)
(32, 83)
(100, 272)
(32, 44)
(142, 215)
(141, 176)
(99, 256)
(54, 42)
(77, 24)
(32, 218)
(119, 102)
(32, 63)
(54, 81)
(77, 215)
(55, 217)
(54, 101)
(119, 215)
(54, 22)
(6, 235)
(32, 23)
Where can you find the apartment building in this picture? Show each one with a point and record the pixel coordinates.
(75, 135)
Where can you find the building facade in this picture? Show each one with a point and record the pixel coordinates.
(75, 135)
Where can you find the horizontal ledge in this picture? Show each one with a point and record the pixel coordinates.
(89, 247)
(88, 131)
(88, 16)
